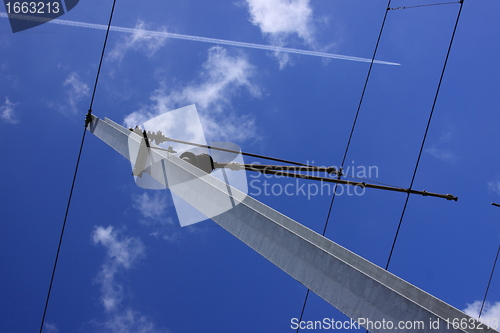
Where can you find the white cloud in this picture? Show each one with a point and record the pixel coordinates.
(229, 128)
(151, 206)
(139, 40)
(7, 112)
(279, 20)
(494, 186)
(50, 328)
(77, 90)
(222, 78)
(122, 253)
(130, 321)
(153, 209)
(489, 315)
(441, 154)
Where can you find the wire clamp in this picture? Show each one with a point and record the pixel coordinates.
(88, 118)
(146, 138)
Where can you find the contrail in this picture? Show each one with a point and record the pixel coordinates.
(198, 39)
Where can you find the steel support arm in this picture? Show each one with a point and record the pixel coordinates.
(358, 288)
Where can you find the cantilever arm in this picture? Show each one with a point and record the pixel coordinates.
(358, 288)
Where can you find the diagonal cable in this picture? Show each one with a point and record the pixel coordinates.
(349, 141)
(426, 5)
(87, 121)
(489, 282)
(425, 134)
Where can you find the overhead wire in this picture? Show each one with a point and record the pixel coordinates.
(425, 134)
(491, 276)
(349, 141)
(87, 121)
(489, 282)
(426, 5)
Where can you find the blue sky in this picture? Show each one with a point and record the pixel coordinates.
(127, 266)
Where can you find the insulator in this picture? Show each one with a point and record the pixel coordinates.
(137, 130)
(206, 163)
(201, 161)
(160, 137)
(157, 137)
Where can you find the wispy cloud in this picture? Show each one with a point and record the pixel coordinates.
(76, 91)
(489, 315)
(222, 77)
(50, 328)
(130, 321)
(139, 40)
(280, 20)
(154, 210)
(122, 253)
(230, 127)
(441, 154)
(437, 150)
(494, 186)
(151, 206)
(7, 112)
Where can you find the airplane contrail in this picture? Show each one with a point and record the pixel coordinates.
(198, 39)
